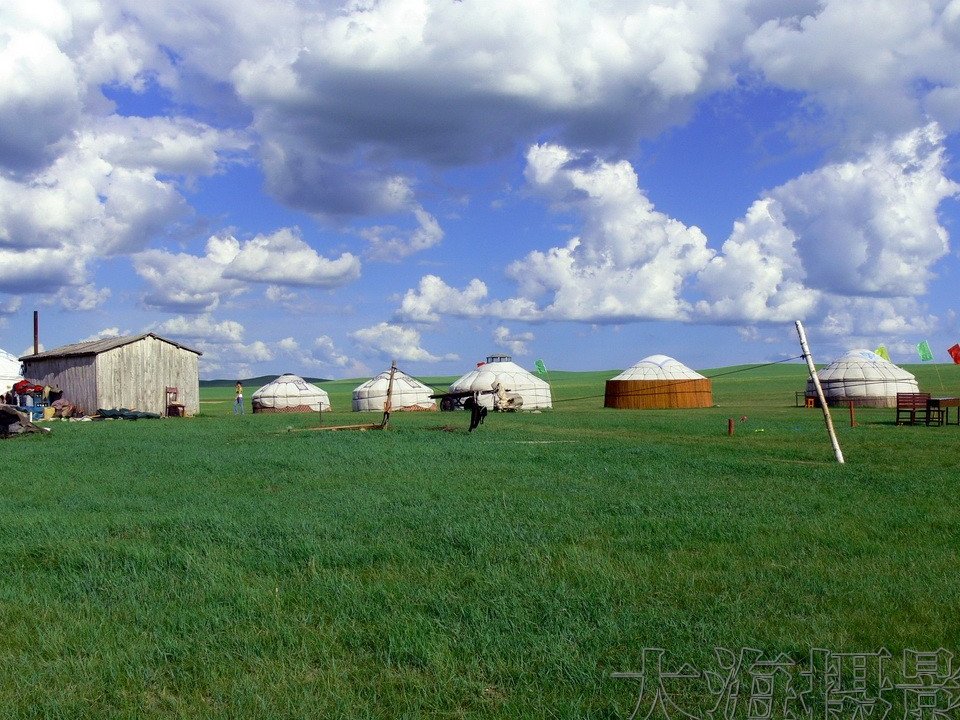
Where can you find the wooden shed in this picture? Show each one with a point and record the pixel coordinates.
(134, 372)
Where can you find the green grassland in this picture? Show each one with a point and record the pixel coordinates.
(246, 566)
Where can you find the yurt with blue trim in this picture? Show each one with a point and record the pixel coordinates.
(290, 393)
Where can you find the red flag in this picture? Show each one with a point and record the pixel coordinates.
(955, 353)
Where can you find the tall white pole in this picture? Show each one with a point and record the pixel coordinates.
(819, 389)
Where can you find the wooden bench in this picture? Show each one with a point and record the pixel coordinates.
(912, 407)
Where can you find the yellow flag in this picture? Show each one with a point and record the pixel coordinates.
(882, 352)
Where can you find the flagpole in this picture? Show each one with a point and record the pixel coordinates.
(926, 355)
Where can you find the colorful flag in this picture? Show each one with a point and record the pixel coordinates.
(541, 368)
(923, 348)
(955, 353)
(882, 352)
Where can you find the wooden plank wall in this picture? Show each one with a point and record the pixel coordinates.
(76, 376)
(658, 394)
(136, 376)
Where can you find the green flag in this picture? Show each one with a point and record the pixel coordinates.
(923, 347)
(882, 352)
(541, 368)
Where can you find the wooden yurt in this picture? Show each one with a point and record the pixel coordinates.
(658, 382)
(132, 371)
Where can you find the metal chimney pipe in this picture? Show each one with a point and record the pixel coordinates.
(36, 332)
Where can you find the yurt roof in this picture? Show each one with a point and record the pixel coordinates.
(508, 372)
(659, 367)
(863, 365)
(401, 382)
(291, 390)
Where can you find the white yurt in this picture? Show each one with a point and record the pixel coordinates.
(408, 393)
(290, 393)
(534, 392)
(656, 382)
(9, 371)
(865, 378)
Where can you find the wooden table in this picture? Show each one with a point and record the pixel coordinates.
(945, 403)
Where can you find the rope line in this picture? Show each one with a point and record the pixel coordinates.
(668, 385)
(748, 368)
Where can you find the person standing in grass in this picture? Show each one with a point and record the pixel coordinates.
(238, 403)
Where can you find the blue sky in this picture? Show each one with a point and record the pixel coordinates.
(321, 187)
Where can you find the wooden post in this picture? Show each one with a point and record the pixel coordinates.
(388, 405)
(823, 400)
(730, 426)
(853, 417)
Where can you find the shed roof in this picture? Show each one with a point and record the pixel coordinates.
(95, 347)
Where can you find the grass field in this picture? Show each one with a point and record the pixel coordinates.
(229, 566)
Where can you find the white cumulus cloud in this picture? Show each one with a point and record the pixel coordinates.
(103, 196)
(396, 342)
(202, 327)
(283, 258)
(876, 65)
(865, 229)
(630, 261)
(190, 283)
(861, 229)
(514, 342)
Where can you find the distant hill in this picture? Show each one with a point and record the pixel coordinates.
(253, 382)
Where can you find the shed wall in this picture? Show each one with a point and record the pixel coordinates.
(136, 376)
(76, 376)
(658, 394)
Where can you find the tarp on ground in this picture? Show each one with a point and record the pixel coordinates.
(14, 422)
